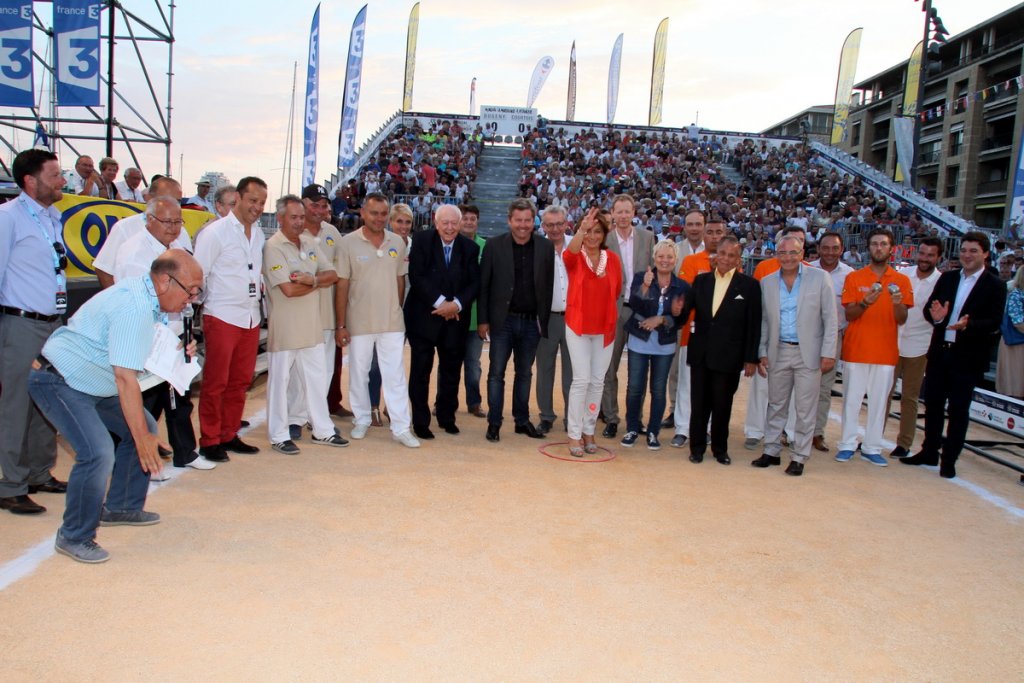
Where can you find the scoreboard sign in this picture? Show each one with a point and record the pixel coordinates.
(507, 120)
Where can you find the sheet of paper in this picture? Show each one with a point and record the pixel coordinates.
(167, 361)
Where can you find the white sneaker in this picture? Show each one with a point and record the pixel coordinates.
(359, 431)
(201, 463)
(407, 439)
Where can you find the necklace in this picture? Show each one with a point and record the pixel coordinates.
(602, 262)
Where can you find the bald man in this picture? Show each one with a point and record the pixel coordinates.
(444, 277)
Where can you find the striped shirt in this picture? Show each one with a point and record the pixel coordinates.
(114, 328)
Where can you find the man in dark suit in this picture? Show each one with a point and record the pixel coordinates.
(966, 308)
(444, 276)
(635, 248)
(516, 279)
(725, 339)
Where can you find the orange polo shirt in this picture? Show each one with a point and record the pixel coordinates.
(872, 338)
(766, 268)
(693, 265)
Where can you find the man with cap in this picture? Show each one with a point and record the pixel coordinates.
(200, 197)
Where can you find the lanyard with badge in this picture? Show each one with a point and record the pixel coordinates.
(60, 258)
(247, 249)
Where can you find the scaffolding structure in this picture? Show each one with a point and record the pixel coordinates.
(136, 113)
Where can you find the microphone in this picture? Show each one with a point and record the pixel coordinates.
(186, 319)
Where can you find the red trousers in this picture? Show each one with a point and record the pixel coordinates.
(227, 374)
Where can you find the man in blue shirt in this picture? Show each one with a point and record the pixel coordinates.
(86, 383)
(33, 295)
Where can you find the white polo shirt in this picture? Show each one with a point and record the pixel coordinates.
(233, 268)
(916, 334)
(122, 231)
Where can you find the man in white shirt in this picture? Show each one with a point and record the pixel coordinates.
(134, 259)
(914, 337)
(105, 263)
(230, 251)
(553, 223)
(201, 197)
(84, 180)
(830, 249)
(130, 189)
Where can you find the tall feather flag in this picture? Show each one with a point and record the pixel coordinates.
(658, 73)
(844, 85)
(472, 97)
(910, 104)
(312, 115)
(350, 101)
(614, 69)
(570, 105)
(410, 56)
(539, 78)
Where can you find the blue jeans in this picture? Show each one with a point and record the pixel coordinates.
(517, 338)
(87, 422)
(639, 366)
(471, 369)
(375, 381)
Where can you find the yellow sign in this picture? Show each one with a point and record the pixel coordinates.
(658, 73)
(844, 85)
(87, 221)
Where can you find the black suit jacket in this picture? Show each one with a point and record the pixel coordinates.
(430, 278)
(725, 341)
(984, 311)
(497, 278)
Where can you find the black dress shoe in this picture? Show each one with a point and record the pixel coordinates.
(899, 452)
(236, 445)
(214, 453)
(545, 426)
(767, 461)
(528, 429)
(947, 469)
(724, 459)
(423, 432)
(492, 432)
(669, 422)
(243, 424)
(795, 469)
(164, 453)
(54, 485)
(921, 458)
(696, 458)
(610, 430)
(449, 427)
(21, 505)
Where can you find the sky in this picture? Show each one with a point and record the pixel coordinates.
(740, 65)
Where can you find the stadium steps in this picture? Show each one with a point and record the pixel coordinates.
(497, 183)
(731, 175)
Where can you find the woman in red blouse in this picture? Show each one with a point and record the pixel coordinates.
(591, 314)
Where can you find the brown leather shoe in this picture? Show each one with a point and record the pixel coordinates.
(477, 411)
(819, 444)
(21, 505)
(342, 411)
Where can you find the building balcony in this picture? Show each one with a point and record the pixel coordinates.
(992, 187)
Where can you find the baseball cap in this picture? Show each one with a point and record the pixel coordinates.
(315, 192)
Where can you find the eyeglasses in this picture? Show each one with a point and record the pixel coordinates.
(62, 255)
(788, 253)
(173, 223)
(191, 295)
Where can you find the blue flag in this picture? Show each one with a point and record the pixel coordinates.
(16, 53)
(312, 103)
(76, 31)
(350, 103)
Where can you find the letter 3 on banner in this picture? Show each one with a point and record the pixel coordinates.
(76, 29)
(312, 102)
(350, 103)
(16, 53)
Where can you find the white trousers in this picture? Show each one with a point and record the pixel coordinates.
(590, 360)
(682, 412)
(309, 364)
(390, 349)
(873, 381)
(297, 414)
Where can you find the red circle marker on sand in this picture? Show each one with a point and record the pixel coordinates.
(568, 458)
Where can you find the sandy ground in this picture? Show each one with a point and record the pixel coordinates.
(466, 560)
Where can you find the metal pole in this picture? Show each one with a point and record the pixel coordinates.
(112, 18)
(916, 161)
(170, 77)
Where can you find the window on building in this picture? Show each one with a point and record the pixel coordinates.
(952, 180)
(956, 142)
(855, 135)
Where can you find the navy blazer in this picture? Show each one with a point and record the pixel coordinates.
(430, 278)
(644, 307)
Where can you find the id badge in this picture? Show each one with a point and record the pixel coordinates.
(252, 290)
(62, 301)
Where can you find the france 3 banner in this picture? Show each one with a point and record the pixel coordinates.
(76, 30)
(16, 53)
(350, 103)
(312, 113)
